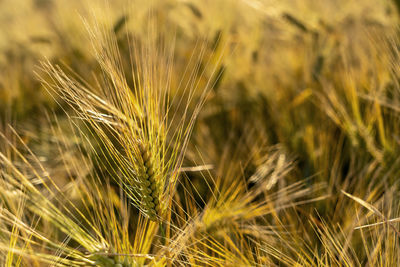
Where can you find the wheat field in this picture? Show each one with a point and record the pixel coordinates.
(199, 133)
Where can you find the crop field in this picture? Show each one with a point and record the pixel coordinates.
(199, 133)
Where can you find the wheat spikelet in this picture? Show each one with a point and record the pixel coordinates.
(149, 185)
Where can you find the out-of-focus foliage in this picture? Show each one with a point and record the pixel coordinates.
(204, 133)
